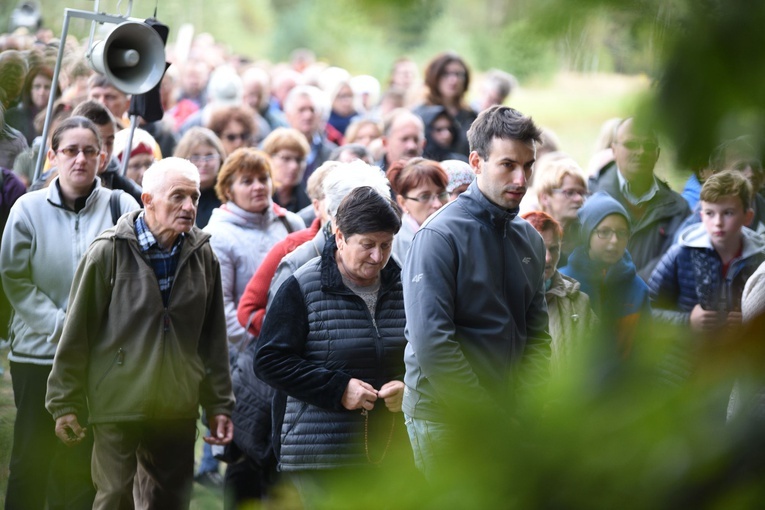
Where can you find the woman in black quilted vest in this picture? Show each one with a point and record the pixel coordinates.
(333, 343)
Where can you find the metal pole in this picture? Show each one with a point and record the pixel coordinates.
(129, 145)
(46, 126)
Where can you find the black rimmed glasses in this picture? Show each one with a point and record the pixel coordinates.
(608, 233)
(425, 198)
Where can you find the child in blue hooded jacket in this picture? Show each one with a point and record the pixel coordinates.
(604, 268)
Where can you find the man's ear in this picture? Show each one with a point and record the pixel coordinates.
(475, 162)
(146, 199)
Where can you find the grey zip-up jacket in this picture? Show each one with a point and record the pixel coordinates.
(475, 306)
(42, 244)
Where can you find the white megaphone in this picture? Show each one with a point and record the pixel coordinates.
(132, 57)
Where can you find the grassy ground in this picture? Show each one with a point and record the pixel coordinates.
(204, 498)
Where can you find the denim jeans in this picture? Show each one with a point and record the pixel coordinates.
(429, 441)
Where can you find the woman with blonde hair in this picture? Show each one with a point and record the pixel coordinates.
(288, 150)
(202, 147)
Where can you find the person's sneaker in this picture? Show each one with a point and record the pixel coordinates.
(210, 479)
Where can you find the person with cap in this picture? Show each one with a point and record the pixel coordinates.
(460, 176)
(604, 268)
(142, 154)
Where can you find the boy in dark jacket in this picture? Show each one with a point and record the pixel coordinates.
(699, 281)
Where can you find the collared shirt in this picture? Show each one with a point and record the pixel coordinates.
(162, 262)
(624, 187)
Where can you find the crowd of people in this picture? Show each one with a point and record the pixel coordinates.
(330, 267)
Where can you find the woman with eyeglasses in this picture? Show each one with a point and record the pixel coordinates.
(447, 79)
(288, 150)
(561, 189)
(604, 268)
(420, 188)
(202, 147)
(47, 233)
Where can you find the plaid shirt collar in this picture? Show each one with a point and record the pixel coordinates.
(147, 241)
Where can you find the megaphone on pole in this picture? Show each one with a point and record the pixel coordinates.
(132, 56)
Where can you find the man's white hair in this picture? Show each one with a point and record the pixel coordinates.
(154, 177)
(348, 176)
(318, 99)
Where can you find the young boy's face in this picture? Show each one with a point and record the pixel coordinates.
(609, 239)
(723, 220)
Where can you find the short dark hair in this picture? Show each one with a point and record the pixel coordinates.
(72, 123)
(501, 122)
(364, 211)
(96, 112)
(100, 81)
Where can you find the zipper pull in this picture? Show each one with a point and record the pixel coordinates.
(120, 356)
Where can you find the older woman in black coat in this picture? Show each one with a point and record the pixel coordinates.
(333, 342)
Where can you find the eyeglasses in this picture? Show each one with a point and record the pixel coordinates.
(73, 152)
(633, 145)
(442, 197)
(232, 137)
(607, 233)
(572, 192)
(209, 158)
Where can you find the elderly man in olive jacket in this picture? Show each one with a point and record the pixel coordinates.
(144, 344)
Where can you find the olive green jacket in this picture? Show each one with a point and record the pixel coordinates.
(126, 356)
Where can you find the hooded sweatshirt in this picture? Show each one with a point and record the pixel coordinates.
(618, 296)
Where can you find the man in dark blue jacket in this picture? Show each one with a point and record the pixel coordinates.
(474, 291)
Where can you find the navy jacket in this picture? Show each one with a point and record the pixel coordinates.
(690, 274)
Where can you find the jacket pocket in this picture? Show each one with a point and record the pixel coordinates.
(118, 360)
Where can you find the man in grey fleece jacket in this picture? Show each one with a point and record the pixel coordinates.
(474, 292)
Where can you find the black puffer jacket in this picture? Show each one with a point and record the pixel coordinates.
(316, 336)
(252, 414)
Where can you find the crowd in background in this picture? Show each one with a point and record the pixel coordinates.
(279, 146)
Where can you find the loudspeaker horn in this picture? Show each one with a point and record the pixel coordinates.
(132, 56)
